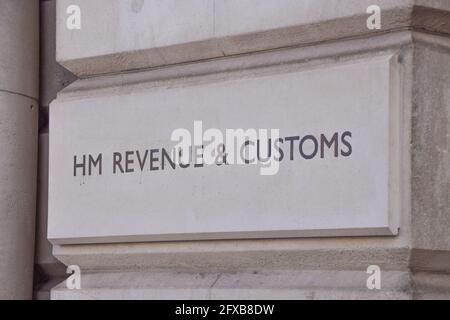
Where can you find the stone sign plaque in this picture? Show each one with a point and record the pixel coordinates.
(114, 175)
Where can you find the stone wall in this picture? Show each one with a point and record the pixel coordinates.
(125, 46)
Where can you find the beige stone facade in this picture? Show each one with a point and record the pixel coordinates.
(101, 74)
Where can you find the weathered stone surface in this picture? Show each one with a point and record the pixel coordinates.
(414, 264)
(19, 83)
(18, 132)
(348, 188)
(431, 148)
(297, 285)
(331, 268)
(134, 34)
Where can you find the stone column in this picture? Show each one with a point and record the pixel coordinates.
(140, 51)
(19, 71)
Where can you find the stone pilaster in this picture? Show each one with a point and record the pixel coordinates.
(19, 68)
(228, 40)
